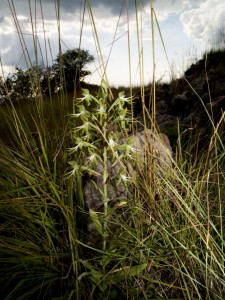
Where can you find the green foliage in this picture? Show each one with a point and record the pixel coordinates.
(39, 80)
(21, 86)
(99, 119)
(97, 139)
(73, 63)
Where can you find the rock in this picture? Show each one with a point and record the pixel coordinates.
(215, 108)
(180, 104)
(160, 119)
(148, 147)
(216, 104)
(156, 146)
(162, 107)
(166, 121)
(198, 83)
(190, 121)
(145, 139)
(140, 121)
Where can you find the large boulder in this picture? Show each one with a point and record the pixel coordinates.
(147, 147)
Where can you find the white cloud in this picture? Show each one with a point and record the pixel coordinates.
(203, 22)
(165, 8)
(198, 17)
(6, 26)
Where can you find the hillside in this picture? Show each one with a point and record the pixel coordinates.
(192, 99)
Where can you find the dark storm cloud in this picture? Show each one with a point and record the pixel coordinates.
(114, 6)
(66, 7)
(73, 6)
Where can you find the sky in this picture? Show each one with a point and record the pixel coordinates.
(124, 35)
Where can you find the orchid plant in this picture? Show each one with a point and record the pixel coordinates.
(100, 123)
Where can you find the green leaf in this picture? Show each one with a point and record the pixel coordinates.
(96, 276)
(85, 92)
(74, 165)
(105, 87)
(95, 220)
(127, 271)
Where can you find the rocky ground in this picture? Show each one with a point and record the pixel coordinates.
(191, 99)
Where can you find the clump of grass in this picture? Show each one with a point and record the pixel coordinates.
(36, 203)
